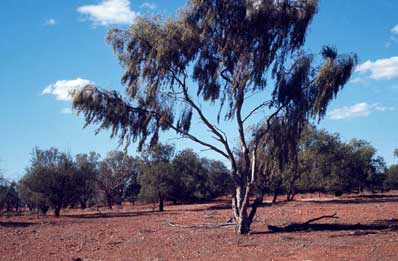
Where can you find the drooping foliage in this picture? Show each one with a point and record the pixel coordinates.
(219, 52)
(232, 46)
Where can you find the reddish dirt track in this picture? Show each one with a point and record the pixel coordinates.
(137, 233)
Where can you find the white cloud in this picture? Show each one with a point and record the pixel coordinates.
(51, 21)
(394, 30)
(148, 5)
(109, 12)
(63, 90)
(381, 69)
(393, 36)
(66, 111)
(357, 110)
(357, 80)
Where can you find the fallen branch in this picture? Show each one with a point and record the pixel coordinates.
(359, 229)
(321, 217)
(299, 226)
(201, 226)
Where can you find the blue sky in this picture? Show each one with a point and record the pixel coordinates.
(49, 46)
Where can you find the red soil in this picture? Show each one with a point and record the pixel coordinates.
(137, 233)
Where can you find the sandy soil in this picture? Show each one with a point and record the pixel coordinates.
(137, 233)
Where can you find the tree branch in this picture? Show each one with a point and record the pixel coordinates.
(212, 128)
(266, 103)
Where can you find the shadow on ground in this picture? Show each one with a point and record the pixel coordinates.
(374, 227)
(119, 214)
(362, 199)
(17, 224)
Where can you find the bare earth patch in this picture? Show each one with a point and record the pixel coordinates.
(137, 233)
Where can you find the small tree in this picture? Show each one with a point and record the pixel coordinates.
(222, 52)
(156, 174)
(190, 178)
(50, 176)
(133, 188)
(391, 181)
(3, 192)
(85, 177)
(33, 200)
(219, 181)
(115, 172)
(12, 199)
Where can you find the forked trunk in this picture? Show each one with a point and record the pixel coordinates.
(240, 205)
(243, 225)
(290, 196)
(241, 198)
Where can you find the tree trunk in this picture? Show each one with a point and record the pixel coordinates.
(57, 211)
(275, 197)
(290, 196)
(293, 195)
(17, 206)
(240, 207)
(241, 198)
(83, 204)
(109, 201)
(243, 224)
(161, 205)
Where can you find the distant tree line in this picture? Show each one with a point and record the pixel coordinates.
(57, 180)
(322, 163)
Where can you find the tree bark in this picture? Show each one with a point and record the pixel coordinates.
(240, 205)
(243, 224)
(161, 203)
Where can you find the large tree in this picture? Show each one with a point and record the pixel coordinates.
(219, 53)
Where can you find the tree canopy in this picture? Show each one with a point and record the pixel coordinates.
(218, 52)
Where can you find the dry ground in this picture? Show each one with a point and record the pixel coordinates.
(137, 233)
